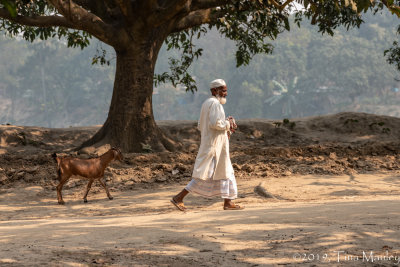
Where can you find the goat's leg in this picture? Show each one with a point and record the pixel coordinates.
(103, 183)
(63, 180)
(89, 185)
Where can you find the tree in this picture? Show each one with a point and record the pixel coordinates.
(15, 57)
(54, 81)
(136, 29)
(286, 97)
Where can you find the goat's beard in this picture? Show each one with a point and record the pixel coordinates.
(221, 100)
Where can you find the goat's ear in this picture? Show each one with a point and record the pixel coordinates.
(115, 152)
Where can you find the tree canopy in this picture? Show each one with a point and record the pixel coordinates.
(248, 23)
(329, 70)
(136, 29)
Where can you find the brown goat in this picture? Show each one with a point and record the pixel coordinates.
(91, 169)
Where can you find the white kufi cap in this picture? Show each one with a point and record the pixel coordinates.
(217, 83)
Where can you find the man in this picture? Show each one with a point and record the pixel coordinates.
(213, 174)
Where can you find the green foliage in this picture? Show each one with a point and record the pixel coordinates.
(29, 8)
(10, 6)
(385, 130)
(251, 25)
(376, 123)
(343, 72)
(393, 53)
(182, 41)
(289, 124)
(251, 28)
(350, 121)
(328, 15)
(100, 57)
(336, 73)
(146, 148)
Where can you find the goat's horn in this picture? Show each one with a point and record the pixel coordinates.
(117, 149)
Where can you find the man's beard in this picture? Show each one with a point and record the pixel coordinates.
(221, 100)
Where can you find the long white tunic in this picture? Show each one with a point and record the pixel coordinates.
(214, 142)
(212, 188)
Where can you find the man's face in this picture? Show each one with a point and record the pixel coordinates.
(222, 91)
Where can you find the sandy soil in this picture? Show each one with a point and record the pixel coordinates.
(334, 181)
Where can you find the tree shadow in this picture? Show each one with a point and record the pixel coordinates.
(289, 235)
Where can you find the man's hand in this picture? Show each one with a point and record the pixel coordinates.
(232, 122)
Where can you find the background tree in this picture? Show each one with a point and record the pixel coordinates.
(9, 83)
(83, 99)
(137, 30)
(58, 89)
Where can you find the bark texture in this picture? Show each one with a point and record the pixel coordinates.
(130, 124)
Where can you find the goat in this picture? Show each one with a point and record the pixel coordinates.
(91, 169)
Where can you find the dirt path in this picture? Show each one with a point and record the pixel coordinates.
(346, 220)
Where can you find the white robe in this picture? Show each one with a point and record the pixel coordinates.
(214, 143)
(212, 188)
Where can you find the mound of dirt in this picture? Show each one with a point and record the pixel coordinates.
(343, 143)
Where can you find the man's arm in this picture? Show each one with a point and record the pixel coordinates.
(217, 118)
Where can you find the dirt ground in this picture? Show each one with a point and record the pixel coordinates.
(334, 182)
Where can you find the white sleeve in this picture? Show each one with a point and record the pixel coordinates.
(217, 118)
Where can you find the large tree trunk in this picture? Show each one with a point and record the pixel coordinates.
(130, 124)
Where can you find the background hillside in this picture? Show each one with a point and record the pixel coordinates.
(50, 85)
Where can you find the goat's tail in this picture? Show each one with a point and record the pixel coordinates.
(57, 159)
(54, 156)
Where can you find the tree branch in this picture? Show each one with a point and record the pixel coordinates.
(162, 14)
(88, 4)
(100, 8)
(126, 8)
(84, 20)
(197, 18)
(393, 6)
(280, 6)
(37, 21)
(206, 4)
(204, 11)
(146, 7)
